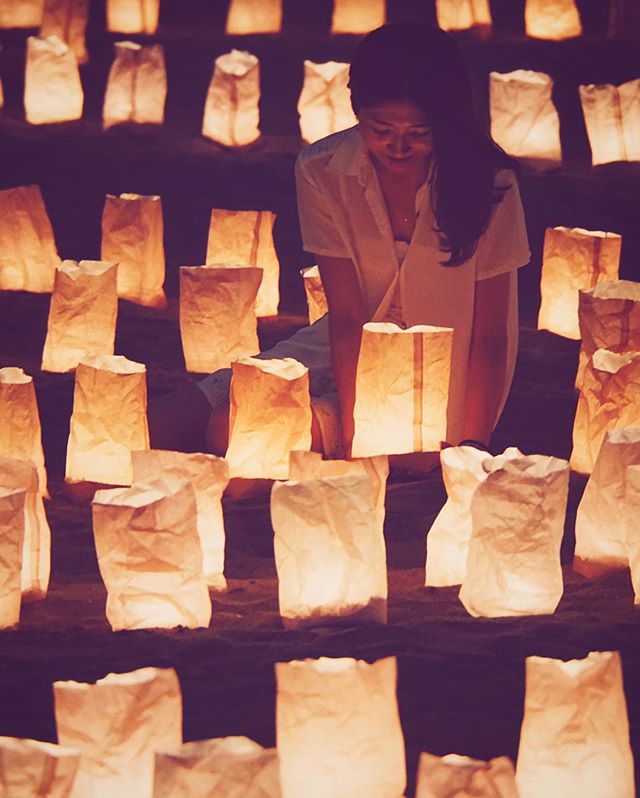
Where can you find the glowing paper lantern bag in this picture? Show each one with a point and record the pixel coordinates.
(150, 557)
(82, 314)
(118, 724)
(67, 19)
(20, 13)
(608, 400)
(245, 238)
(31, 769)
(612, 118)
(28, 255)
(227, 767)
(631, 511)
(338, 729)
(524, 120)
(270, 416)
(552, 19)
(231, 113)
(253, 16)
(601, 536)
(314, 292)
(330, 552)
(217, 315)
(609, 318)
(402, 389)
(133, 237)
(12, 523)
(52, 87)
(109, 420)
(137, 85)
(133, 16)
(573, 259)
(324, 105)
(575, 733)
(462, 14)
(513, 564)
(357, 16)
(455, 776)
(20, 434)
(209, 476)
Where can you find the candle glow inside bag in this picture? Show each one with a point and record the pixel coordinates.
(21, 13)
(612, 119)
(136, 86)
(12, 524)
(552, 19)
(67, 19)
(324, 105)
(253, 16)
(231, 111)
(52, 86)
(133, 16)
(463, 14)
(454, 776)
(31, 769)
(357, 16)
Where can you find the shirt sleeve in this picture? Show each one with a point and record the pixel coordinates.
(504, 246)
(320, 235)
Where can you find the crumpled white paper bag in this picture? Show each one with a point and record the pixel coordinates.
(137, 85)
(245, 238)
(524, 120)
(118, 724)
(324, 105)
(231, 112)
(357, 16)
(28, 254)
(67, 19)
(552, 19)
(253, 16)
(21, 14)
(149, 556)
(455, 776)
(608, 400)
(631, 516)
(612, 119)
(330, 552)
(575, 733)
(82, 314)
(209, 476)
(109, 420)
(270, 416)
(33, 769)
(226, 767)
(133, 237)
(12, 524)
(462, 14)
(573, 259)
(600, 525)
(217, 315)
(402, 389)
(609, 318)
(133, 16)
(52, 87)
(338, 729)
(314, 292)
(513, 564)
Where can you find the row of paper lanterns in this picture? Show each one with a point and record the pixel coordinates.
(338, 734)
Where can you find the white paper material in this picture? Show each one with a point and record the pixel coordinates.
(631, 513)
(455, 776)
(575, 733)
(324, 105)
(21, 13)
(149, 556)
(253, 16)
(136, 86)
(133, 237)
(226, 767)
(330, 552)
(231, 112)
(513, 564)
(524, 120)
(573, 259)
(245, 238)
(314, 292)
(552, 19)
(20, 434)
(28, 255)
(12, 524)
(612, 119)
(270, 416)
(209, 476)
(357, 16)
(52, 87)
(33, 769)
(608, 400)
(338, 729)
(601, 544)
(133, 16)
(82, 314)
(118, 724)
(218, 321)
(109, 420)
(462, 14)
(402, 389)
(67, 19)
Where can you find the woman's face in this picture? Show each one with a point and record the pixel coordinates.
(397, 136)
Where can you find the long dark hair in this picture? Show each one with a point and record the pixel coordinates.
(422, 64)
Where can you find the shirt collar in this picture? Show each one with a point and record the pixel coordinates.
(350, 157)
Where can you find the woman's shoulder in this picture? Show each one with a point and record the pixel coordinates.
(320, 153)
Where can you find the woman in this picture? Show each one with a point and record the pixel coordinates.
(413, 216)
